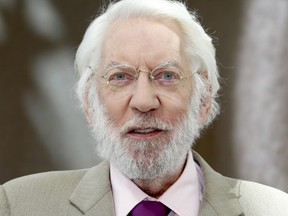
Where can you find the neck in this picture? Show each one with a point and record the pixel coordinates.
(157, 186)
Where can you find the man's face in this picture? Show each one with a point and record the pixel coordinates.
(144, 45)
(145, 118)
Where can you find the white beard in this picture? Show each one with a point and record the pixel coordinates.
(145, 159)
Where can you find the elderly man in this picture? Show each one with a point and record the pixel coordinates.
(148, 83)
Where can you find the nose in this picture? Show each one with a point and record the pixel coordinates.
(144, 97)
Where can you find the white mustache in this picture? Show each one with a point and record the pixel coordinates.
(145, 121)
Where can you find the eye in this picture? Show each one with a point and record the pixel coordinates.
(166, 75)
(120, 78)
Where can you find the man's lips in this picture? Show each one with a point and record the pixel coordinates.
(143, 132)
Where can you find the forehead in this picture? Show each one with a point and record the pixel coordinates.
(137, 41)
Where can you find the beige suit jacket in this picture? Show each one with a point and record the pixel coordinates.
(88, 192)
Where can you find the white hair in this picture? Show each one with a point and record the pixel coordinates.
(197, 46)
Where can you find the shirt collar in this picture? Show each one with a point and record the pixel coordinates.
(183, 197)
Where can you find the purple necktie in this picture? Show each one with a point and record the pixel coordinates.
(150, 208)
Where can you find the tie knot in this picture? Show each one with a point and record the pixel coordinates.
(150, 208)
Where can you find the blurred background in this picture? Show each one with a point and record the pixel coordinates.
(42, 127)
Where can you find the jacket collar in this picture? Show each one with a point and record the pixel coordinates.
(221, 196)
(93, 194)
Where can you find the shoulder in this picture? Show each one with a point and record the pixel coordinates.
(39, 192)
(44, 181)
(62, 180)
(248, 197)
(258, 199)
(4, 205)
(37, 186)
(46, 192)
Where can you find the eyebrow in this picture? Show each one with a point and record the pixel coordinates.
(170, 63)
(115, 64)
(165, 64)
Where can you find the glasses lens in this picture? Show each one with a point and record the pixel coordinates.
(166, 76)
(121, 76)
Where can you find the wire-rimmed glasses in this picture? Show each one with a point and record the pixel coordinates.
(121, 76)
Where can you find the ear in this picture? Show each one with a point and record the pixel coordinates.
(205, 107)
(205, 102)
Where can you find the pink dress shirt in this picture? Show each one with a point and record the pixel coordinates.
(183, 197)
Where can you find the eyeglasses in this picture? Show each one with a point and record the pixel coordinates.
(121, 76)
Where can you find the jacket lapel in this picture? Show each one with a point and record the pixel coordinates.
(220, 195)
(93, 195)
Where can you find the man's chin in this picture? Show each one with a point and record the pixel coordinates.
(142, 173)
(146, 165)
